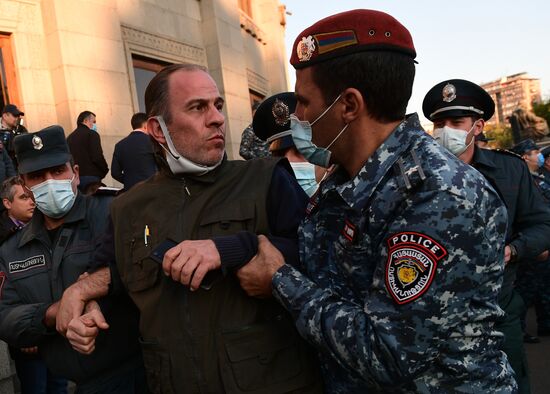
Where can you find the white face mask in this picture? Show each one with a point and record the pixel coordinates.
(453, 139)
(305, 175)
(178, 164)
(54, 198)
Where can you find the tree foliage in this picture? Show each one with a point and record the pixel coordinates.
(501, 135)
(542, 109)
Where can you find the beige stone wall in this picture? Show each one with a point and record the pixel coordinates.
(75, 55)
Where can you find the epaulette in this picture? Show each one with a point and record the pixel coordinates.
(508, 152)
(107, 191)
(411, 176)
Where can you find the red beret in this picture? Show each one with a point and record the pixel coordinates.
(350, 32)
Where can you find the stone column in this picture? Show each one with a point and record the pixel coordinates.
(227, 65)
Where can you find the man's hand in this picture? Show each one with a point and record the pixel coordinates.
(83, 330)
(189, 261)
(543, 256)
(87, 287)
(71, 306)
(507, 254)
(255, 277)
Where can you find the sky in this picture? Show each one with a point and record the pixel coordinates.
(481, 40)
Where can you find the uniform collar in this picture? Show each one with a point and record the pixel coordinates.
(357, 191)
(36, 229)
(482, 158)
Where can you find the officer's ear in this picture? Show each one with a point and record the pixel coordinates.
(154, 130)
(354, 105)
(76, 171)
(479, 125)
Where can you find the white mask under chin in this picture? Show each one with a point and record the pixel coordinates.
(178, 164)
(453, 139)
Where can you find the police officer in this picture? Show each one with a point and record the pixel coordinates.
(49, 254)
(251, 146)
(272, 122)
(531, 153)
(546, 154)
(459, 110)
(482, 140)
(402, 246)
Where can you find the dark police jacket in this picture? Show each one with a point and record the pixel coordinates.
(206, 341)
(528, 213)
(85, 146)
(34, 272)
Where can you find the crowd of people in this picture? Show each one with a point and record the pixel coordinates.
(351, 252)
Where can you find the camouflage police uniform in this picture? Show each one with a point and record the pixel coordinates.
(406, 264)
(251, 146)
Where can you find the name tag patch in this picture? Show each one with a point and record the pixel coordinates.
(411, 265)
(25, 265)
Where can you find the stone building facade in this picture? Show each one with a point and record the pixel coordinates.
(61, 57)
(68, 56)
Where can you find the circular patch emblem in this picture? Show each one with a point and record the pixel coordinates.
(305, 48)
(411, 265)
(280, 112)
(449, 93)
(37, 142)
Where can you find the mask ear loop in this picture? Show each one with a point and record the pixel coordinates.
(326, 110)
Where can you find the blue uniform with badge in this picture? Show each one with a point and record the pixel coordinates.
(400, 273)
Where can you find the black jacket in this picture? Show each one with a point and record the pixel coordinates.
(85, 146)
(34, 272)
(133, 159)
(528, 213)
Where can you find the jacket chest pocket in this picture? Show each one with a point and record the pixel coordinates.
(352, 266)
(228, 220)
(31, 278)
(142, 272)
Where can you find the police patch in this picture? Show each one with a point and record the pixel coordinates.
(25, 265)
(411, 265)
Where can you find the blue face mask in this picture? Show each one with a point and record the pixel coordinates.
(302, 134)
(305, 175)
(94, 127)
(540, 160)
(54, 198)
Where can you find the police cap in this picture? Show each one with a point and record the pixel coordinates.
(456, 98)
(271, 121)
(44, 149)
(524, 146)
(350, 32)
(12, 109)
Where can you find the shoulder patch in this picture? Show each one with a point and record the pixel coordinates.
(2, 281)
(16, 267)
(411, 265)
(509, 153)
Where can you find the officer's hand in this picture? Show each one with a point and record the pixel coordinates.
(543, 256)
(507, 254)
(71, 306)
(189, 261)
(255, 277)
(83, 330)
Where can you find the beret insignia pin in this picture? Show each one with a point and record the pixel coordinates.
(305, 48)
(280, 112)
(37, 142)
(449, 93)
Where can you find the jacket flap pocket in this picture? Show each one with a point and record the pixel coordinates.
(241, 211)
(255, 342)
